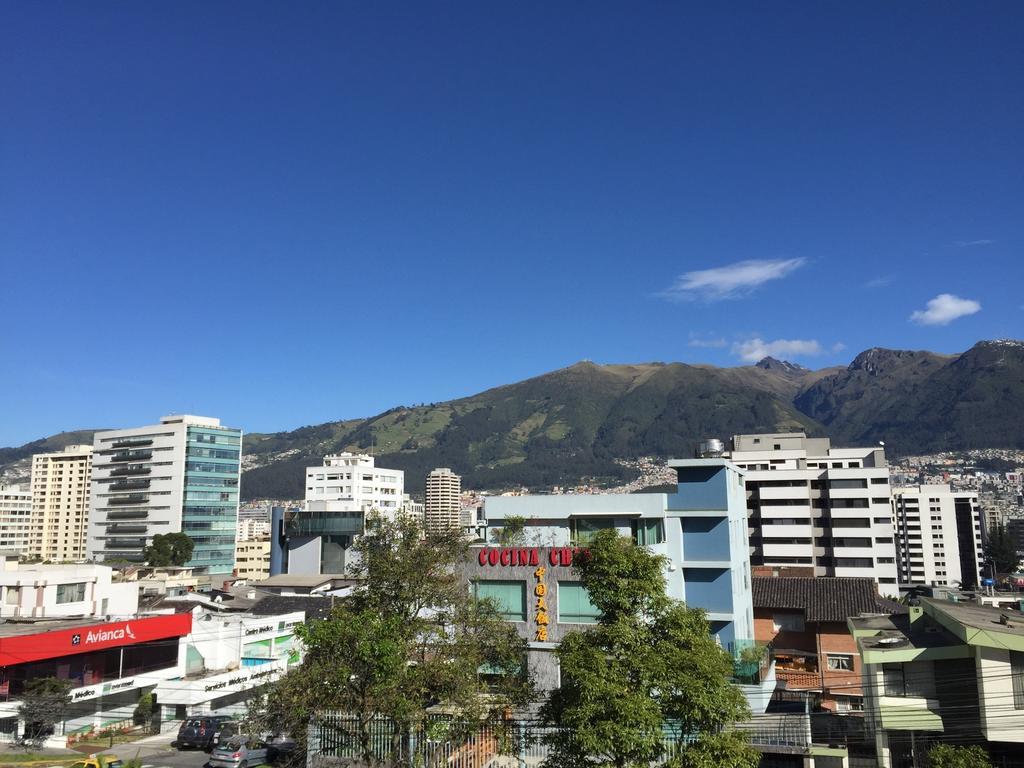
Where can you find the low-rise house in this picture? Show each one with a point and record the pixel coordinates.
(946, 671)
(804, 620)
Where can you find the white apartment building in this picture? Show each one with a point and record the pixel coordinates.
(60, 503)
(15, 519)
(815, 506)
(442, 506)
(56, 591)
(250, 528)
(352, 483)
(180, 475)
(938, 536)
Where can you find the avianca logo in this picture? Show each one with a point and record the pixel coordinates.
(107, 635)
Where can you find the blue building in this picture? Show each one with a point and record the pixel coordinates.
(700, 531)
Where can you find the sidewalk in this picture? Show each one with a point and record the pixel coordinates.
(147, 747)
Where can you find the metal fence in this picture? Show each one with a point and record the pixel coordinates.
(334, 741)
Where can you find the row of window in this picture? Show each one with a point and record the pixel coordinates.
(574, 606)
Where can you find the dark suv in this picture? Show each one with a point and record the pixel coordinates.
(202, 732)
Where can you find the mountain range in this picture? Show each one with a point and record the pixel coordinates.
(576, 424)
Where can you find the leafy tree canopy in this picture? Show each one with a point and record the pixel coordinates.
(952, 756)
(169, 549)
(650, 665)
(1001, 550)
(409, 638)
(42, 706)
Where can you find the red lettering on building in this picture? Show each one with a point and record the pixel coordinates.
(483, 557)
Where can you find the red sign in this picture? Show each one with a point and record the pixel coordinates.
(520, 556)
(50, 644)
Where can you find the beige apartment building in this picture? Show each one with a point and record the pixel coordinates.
(441, 505)
(60, 504)
(252, 559)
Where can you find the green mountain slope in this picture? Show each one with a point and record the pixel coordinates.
(573, 424)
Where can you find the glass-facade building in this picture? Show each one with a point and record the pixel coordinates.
(209, 513)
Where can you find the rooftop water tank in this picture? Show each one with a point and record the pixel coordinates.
(710, 449)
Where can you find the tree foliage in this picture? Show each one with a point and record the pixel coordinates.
(409, 639)
(42, 706)
(648, 666)
(953, 756)
(1001, 550)
(512, 534)
(169, 549)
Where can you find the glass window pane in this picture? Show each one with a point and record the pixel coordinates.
(574, 606)
(508, 596)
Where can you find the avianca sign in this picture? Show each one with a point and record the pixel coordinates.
(54, 643)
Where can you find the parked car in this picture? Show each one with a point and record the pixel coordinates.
(201, 732)
(240, 752)
(99, 761)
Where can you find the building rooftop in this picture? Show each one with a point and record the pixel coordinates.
(833, 599)
(290, 580)
(975, 616)
(18, 627)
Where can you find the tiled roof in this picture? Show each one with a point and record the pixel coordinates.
(315, 607)
(822, 599)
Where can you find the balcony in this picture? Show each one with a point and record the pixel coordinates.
(131, 498)
(132, 442)
(129, 485)
(128, 514)
(129, 470)
(132, 456)
(126, 528)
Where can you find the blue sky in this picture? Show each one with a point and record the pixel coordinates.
(283, 214)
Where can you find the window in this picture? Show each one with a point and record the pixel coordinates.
(854, 562)
(583, 529)
(648, 531)
(508, 596)
(788, 622)
(879, 480)
(1017, 675)
(70, 593)
(574, 606)
(850, 483)
(839, 662)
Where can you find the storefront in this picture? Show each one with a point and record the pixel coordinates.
(110, 665)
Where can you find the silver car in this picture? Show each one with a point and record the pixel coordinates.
(240, 752)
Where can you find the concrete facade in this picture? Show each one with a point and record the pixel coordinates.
(15, 519)
(252, 559)
(54, 591)
(179, 475)
(938, 536)
(818, 506)
(441, 500)
(61, 484)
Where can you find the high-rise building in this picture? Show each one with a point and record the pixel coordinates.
(826, 510)
(179, 475)
(340, 493)
(15, 519)
(352, 480)
(938, 536)
(60, 503)
(442, 506)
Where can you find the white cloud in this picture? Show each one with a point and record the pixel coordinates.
(972, 243)
(706, 342)
(879, 282)
(730, 281)
(944, 309)
(756, 349)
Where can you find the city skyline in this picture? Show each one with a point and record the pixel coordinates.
(533, 187)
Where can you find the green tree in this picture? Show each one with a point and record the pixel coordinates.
(144, 709)
(951, 756)
(1001, 550)
(512, 533)
(169, 549)
(409, 638)
(42, 706)
(649, 666)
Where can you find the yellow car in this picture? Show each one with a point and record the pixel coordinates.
(99, 761)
